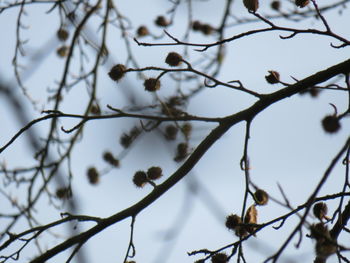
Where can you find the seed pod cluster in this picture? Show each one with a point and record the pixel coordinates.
(141, 178)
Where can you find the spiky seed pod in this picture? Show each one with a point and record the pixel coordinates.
(302, 3)
(93, 175)
(273, 77)
(117, 72)
(232, 221)
(251, 217)
(173, 59)
(109, 158)
(154, 173)
(62, 34)
(251, 5)
(187, 130)
(62, 51)
(241, 231)
(161, 21)
(320, 210)
(219, 258)
(171, 132)
(196, 26)
(261, 197)
(206, 29)
(64, 193)
(331, 124)
(152, 84)
(140, 179)
(276, 5)
(142, 31)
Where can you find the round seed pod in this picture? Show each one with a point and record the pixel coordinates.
(142, 31)
(251, 5)
(320, 210)
(62, 51)
(93, 175)
(173, 59)
(261, 197)
(273, 77)
(232, 221)
(62, 34)
(152, 84)
(302, 3)
(331, 124)
(154, 173)
(117, 72)
(140, 179)
(276, 5)
(219, 258)
(161, 21)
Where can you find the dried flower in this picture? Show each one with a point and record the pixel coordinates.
(251, 5)
(152, 84)
(93, 175)
(117, 72)
(273, 77)
(261, 197)
(173, 59)
(140, 178)
(251, 217)
(331, 124)
(154, 173)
